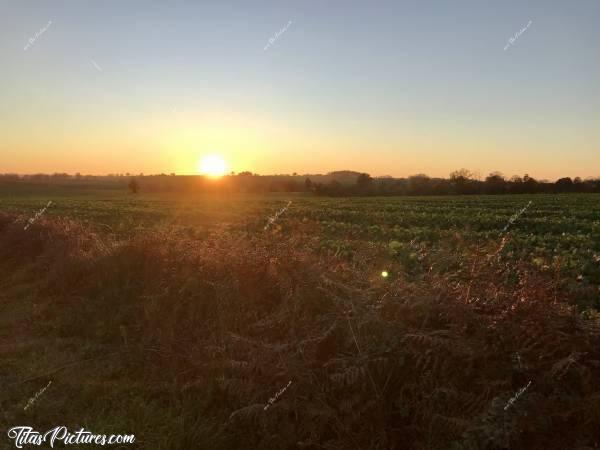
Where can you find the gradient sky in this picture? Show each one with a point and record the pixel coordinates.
(388, 87)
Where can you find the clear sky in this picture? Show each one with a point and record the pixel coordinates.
(387, 87)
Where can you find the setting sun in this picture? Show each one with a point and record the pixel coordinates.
(213, 166)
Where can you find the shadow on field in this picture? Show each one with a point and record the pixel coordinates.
(182, 342)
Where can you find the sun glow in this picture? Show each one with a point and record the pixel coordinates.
(213, 166)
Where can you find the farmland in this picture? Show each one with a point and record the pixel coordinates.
(562, 229)
(179, 317)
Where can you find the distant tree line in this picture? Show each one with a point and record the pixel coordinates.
(460, 182)
(339, 183)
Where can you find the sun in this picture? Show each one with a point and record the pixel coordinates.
(213, 166)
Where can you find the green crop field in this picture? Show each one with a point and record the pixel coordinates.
(554, 228)
(374, 322)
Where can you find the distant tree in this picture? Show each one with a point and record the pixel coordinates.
(495, 183)
(308, 184)
(364, 180)
(134, 186)
(475, 175)
(461, 174)
(364, 184)
(418, 184)
(516, 185)
(245, 174)
(516, 179)
(530, 184)
(564, 184)
(592, 184)
(461, 180)
(440, 186)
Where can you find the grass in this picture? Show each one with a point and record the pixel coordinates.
(177, 319)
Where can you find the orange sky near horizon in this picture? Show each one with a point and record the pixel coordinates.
(266, 146)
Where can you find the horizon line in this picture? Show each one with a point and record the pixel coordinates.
(477, 177)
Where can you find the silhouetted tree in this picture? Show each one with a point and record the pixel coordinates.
(516, 185)
(418, 184)
(461, 180)
(364, 184)
(495, 183)
(530, 184)
(308, 184)
(364, 180)
(134, 186)
(564, 184)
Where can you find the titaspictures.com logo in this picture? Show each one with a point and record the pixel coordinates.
(28, 436)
